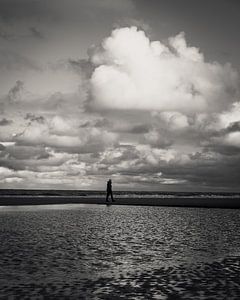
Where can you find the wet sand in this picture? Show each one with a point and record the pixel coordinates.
(119, 252)
(221, 202)
(216, 280)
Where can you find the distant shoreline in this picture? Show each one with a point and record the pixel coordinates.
(221, 202)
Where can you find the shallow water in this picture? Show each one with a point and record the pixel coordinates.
(105, 252)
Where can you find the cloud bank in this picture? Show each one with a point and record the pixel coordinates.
(149, 114)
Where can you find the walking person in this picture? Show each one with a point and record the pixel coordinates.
(109, 190)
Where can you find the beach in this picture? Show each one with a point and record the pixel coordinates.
(219, 280)
(82, 251)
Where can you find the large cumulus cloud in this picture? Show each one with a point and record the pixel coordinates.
(132, 72)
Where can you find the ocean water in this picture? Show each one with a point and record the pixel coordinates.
(119, 194)
(119, 252)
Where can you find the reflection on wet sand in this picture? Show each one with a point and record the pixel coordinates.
(217, 280)
(117, 252)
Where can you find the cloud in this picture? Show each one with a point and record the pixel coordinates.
(220, 131)
(173, 120)
(32, 117)
(15, 92)
(156, 138)
(82, 67)
(36, 33)
(149, 114)
(65, 135)
(5, 122)
(5, 171)
(11, 60)
(130, 127)
(230, 116)
(234, 126)
(15, 152)
(132, 72)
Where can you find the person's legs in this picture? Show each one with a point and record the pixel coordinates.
(112, 196)
(107, 196)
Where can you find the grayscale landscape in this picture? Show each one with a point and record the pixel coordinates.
(119, 149)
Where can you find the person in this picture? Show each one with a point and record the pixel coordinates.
(109, 190)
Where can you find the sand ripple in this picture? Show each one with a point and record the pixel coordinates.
(97, 252)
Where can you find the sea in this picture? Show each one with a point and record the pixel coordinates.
(118, 194)
(82, 251)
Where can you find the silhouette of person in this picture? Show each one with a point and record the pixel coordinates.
(109, 190)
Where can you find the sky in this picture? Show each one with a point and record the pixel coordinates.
(145, 92)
